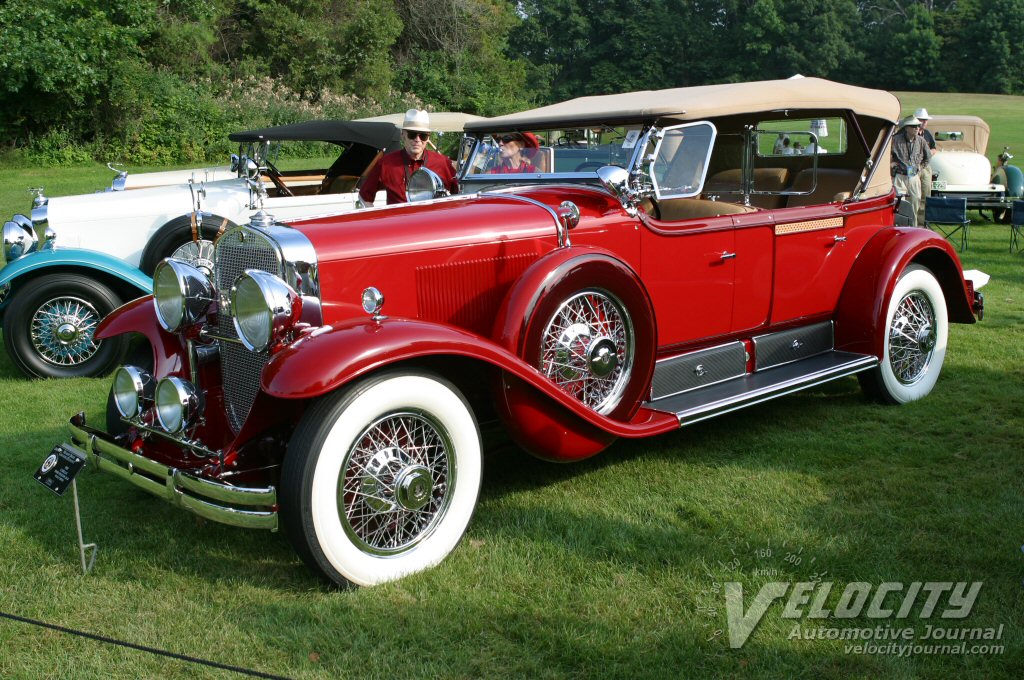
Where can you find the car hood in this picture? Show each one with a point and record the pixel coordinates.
(176, 197)
(452, 222)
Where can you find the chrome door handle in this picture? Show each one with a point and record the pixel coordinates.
(727, 256)
(840, 239)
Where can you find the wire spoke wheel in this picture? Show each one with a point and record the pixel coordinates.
(381, 477)
(61, 331)
(587, 349)
(912, 338)
(395, 482)
(199, 254)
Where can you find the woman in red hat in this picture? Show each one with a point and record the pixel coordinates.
(513, 160)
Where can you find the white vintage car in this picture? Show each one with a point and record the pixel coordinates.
(961, 169)
(84, 255)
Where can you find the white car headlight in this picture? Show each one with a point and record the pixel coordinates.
(181, 294)
(132, 390)
(178, 404)
(263, 307)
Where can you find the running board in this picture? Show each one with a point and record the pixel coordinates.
(753, 388)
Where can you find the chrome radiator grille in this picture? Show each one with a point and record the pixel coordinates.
(238, 250)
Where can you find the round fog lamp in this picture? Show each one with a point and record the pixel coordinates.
(178, 404)
(132, 390)
(181, 293)
(373, 301)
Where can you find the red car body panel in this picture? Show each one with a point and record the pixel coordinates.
(861, 307)
(139, 316)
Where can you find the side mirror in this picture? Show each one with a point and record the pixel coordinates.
(425, 185)
(615, 180)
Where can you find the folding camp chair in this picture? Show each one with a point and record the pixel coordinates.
(1016, 223)
(948, 216)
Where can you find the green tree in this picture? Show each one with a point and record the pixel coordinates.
(452, 54)
(314, 47)
(984, 46)
(56, 56)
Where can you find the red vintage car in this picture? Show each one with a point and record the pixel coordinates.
(615, 266)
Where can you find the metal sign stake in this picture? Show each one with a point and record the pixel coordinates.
(78, 525)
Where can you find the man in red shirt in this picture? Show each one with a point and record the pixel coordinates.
(393, 171)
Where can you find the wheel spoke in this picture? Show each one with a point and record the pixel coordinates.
(912, 324)
(61, 331)
(397, 453)
(573, 333)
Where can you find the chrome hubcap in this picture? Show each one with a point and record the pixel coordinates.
(603, 359)
(912, 338)
(61, 331)
(587, 349)
(396, 483)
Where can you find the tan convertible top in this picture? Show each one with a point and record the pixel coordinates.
(705, 101)
(976, 133)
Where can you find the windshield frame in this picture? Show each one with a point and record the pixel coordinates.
(485, 181)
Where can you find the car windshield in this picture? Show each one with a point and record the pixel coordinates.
(570, 150)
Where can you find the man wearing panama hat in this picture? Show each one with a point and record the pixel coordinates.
(909, 155)
(393, 170)
(926, 173)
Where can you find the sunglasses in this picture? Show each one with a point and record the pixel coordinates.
(411, 135)
(505, 139)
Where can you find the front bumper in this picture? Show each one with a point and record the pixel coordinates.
(252, 508)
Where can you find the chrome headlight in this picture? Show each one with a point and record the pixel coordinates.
(181, 294)
(132, 390)
(41, 225)
(178, 404)
(263, 307)
(19, 237)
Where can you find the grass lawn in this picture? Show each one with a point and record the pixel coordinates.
(607, 568)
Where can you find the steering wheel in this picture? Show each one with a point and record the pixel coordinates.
(275, 177)
(562, 141)
(589, 165)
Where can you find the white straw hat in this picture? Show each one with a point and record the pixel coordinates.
(416, 120)
(922, 114)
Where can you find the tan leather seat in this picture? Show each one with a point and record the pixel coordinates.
(765, 179)
(679, 209)
(834, 184)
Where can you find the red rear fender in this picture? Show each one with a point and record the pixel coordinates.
(869, 286)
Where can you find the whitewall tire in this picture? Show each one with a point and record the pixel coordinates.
(381, 479)
(916, 330)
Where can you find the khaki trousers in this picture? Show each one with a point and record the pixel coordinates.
(926, 191)
(911, 186)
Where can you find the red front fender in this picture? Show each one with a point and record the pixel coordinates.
(139, 316)
(330, 357)
(869, 286)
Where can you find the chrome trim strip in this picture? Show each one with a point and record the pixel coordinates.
(845, 363)
(171, 483)
(560, 230)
